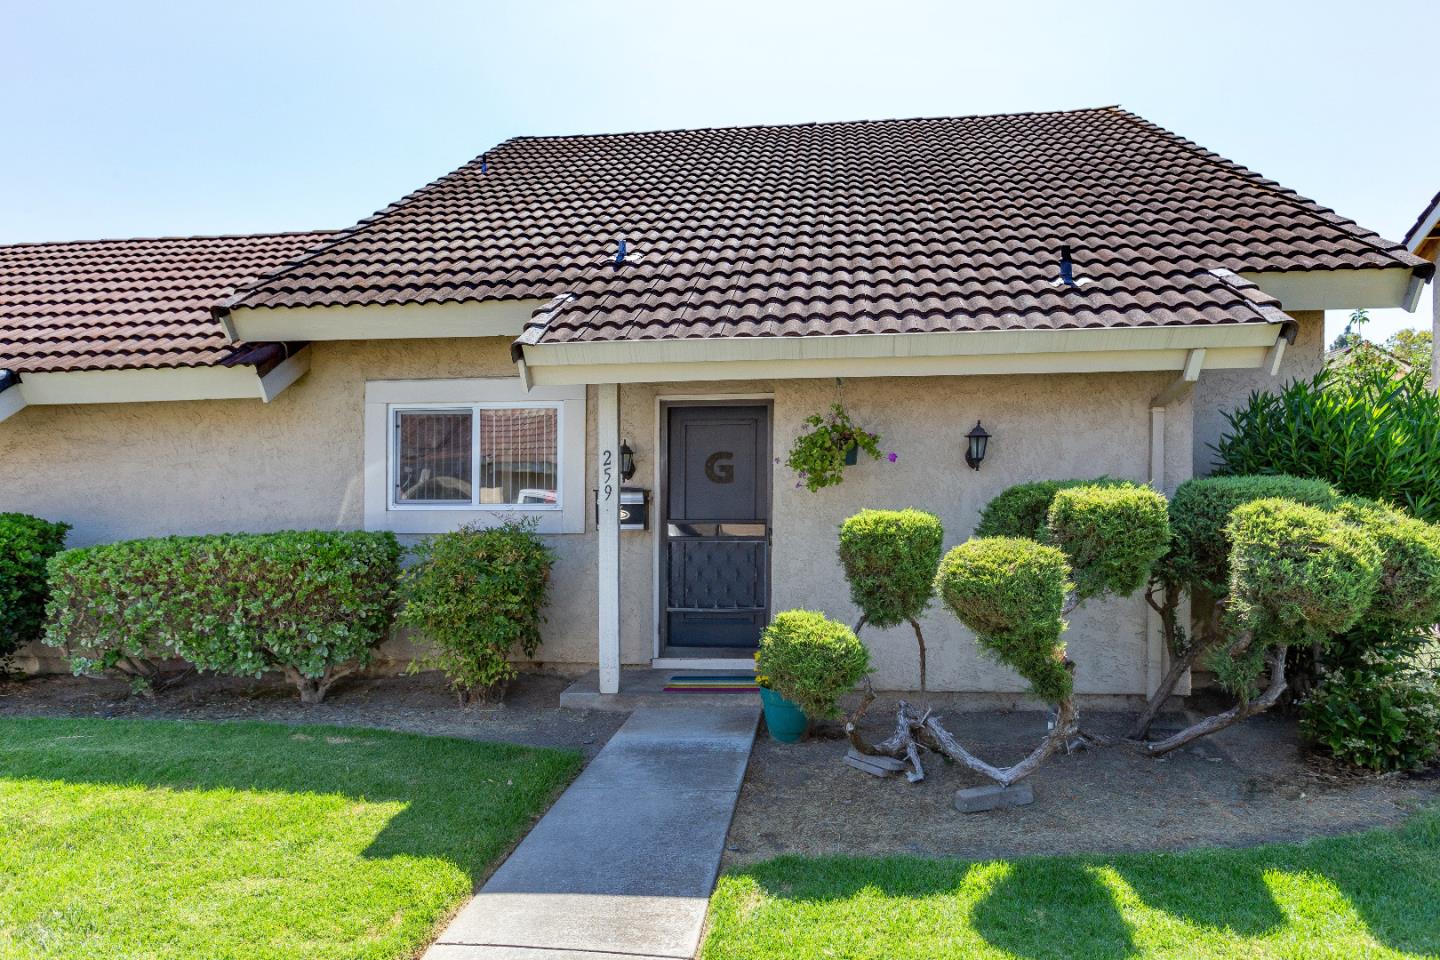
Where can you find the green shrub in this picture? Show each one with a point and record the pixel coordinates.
(1408, 596)
(1010, 592)
(890, 557)
(1369, 435)
(1200, 512)
(811, 660)
(476, 594)
(313, 604)
(1298, 574)
(1111, 534)
(1383, 715)
(1024, 509)
(26, 545)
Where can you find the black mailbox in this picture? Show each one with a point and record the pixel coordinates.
(634, 508)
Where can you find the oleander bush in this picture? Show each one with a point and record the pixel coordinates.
(1010, 592)
(1113, 534)
(26, 544)
(478, 595)
(890, 558)
(311, 604)
(1382, 714)
(811, 660)
(1368, 434)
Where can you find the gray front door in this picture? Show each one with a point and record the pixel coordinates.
(716, 551)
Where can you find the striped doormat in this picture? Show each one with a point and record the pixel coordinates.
(714, 683)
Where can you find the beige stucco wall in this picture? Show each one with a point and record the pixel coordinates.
(130, 470)
(1220, 391)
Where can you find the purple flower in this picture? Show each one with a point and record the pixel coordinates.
(892, 456)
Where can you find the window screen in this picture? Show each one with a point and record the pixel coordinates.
(480, 455)
(433, 450)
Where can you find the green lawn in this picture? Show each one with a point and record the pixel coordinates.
(1373, 894)
(155, 839)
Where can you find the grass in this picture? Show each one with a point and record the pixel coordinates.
(156, 839)
(1374, 894)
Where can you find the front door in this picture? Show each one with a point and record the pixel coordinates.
(716, 550)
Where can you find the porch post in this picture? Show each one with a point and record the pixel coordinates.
(608, 534)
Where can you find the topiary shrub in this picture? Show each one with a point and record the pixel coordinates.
(1011, 592)
(810, 660)
(476, 595)
(1113, 534)
(1407, 597)
(26, 544)
(1199, 515)
(890, 558)
(1024, 509)
(1383, 715)
(1369, 435)
(312, 604)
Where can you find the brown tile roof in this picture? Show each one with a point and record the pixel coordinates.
(128, 304)
(898, 225)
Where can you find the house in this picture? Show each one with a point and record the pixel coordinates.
(1096, 291)
(1423, 240)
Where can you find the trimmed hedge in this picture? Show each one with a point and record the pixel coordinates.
(1010, 592)
(890, 558)
(1383, 715)
(26, 544)
(1112, 534)
(811, 660)
(313, 604)
(477, 594)
(1024, 509)
(1200, 512)
(1407, 598)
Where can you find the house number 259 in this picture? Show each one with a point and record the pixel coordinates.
(607, 475)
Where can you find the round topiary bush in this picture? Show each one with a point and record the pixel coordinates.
(1200, 510)
(811, 660)
(1407, 597)
(1112, 535)
(1024, 509)
(1299, 570)
(1010, 591)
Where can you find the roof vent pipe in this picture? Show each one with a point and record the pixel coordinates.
(484, 163)
(620, 252)
(1067, 267)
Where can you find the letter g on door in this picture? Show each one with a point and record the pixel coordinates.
(719, 468)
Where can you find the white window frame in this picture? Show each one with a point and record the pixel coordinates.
(384, 398)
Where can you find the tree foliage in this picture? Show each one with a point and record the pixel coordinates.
(1023, 510)
(890, 558)
(26, 544)
(1112, 534)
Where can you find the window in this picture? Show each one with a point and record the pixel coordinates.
(483, 455)
(440, 453)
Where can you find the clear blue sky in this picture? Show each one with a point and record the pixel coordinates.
(135, 119)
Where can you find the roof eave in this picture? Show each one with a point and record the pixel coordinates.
(401, 321)
(1127, 349)
(1344, 289)
(148, 385)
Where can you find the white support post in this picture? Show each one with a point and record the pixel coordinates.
(607, 532)
(1154, 629)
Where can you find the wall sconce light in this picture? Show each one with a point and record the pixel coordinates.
(975, 452)
(627, 460)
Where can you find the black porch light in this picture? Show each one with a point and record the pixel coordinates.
(975, 452)
(627, 460)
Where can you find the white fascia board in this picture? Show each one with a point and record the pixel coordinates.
(1372, 289)
(409, 321)
(1422, 233)
(892, 355)
(12, 401)
(144, 386)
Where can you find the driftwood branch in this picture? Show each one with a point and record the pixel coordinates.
(1242, 710)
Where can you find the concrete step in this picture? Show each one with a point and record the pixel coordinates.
(645, 687)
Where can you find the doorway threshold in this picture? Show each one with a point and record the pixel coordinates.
(645, 687)
(733, 664)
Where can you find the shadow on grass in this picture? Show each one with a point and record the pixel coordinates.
(1062, 907)
(464, 801)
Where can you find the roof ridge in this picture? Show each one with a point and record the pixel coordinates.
(170, 239)
(1293, 197)
(812, 123)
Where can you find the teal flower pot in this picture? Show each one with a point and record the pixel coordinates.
(785, 721)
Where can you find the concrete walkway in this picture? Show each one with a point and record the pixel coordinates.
(625, 861)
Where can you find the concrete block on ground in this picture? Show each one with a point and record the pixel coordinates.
(875, 766)
(980, 799)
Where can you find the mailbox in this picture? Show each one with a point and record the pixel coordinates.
(634, 508)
